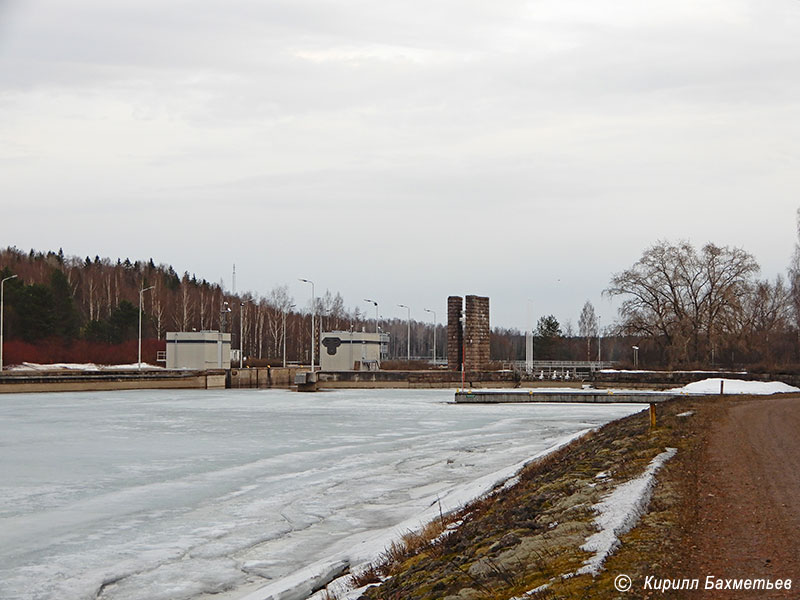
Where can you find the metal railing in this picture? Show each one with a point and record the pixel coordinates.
(547, 368)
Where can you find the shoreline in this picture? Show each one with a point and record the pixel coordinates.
(367, 547)
(533, 535)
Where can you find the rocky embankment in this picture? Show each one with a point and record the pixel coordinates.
(528, 540)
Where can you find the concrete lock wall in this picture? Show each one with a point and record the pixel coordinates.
(65, 381)
(263, 377)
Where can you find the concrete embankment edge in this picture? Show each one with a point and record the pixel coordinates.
(65, 381)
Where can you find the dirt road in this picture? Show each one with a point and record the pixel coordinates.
(748, 508)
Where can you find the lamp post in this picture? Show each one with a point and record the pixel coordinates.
(434, 334)
(285, 312)
(241, 334)
(223, 312)
(408, 341)
(313, 309)
(529, 340)
(2, 309)
(223, 316)
(599, 336)
(141, 294)
(376, 312)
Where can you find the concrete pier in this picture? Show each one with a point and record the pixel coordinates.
(563, 395)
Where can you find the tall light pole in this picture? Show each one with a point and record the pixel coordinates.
(376, 312)
(2, 309)
(599, 335)
(241, 334)
(408, 345)
(313, 310)
(285, 312)
(223, 313)
(223, 316)
(529, 340)
(141, 294)
(434, 334)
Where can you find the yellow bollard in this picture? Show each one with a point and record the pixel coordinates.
(652, 415)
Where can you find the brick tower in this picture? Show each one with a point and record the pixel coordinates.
(455, 341)
(470, 342)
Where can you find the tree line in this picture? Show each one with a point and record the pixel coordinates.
(708, 307)
(57, 299)
(680, 306)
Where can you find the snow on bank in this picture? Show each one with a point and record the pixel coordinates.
(735, 386)
(619, 512)
(363, 549)
(654, 371)
(87, 367)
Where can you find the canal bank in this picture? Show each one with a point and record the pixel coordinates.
(91, 377)
(71, 380)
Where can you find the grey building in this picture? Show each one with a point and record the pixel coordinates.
(198, 350)
(352, 350)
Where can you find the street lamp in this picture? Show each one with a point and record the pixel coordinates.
(285, 311)
(599, 336)
(408, 351)
(2, 308)
(223, 313)
(313, 309)
(223, 316)
(376, 312)
(434, 334)
(241, 334)
(529, 340)
(141, 293)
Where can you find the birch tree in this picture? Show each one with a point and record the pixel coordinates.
(587, 327)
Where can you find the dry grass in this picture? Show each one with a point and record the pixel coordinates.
(529, 535)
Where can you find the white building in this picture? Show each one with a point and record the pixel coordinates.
(352, 350)
(198, 350)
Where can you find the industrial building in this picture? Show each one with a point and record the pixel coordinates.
(352, 350)
(198, 350)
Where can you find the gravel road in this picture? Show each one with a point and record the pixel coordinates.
(748, 509)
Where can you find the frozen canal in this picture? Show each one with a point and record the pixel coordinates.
(166, 495)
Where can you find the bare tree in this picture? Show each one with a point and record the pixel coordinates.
(183, 317)
(681, 298)
(279, 303)
(587, 326)
(794, 276)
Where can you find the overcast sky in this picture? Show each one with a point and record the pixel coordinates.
(401, 151)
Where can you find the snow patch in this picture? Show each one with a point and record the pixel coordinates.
(619, 512)
(735, 386)
(85, 367)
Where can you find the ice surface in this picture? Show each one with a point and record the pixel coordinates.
(171, 495)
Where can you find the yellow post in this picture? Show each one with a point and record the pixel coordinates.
(652, 415)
